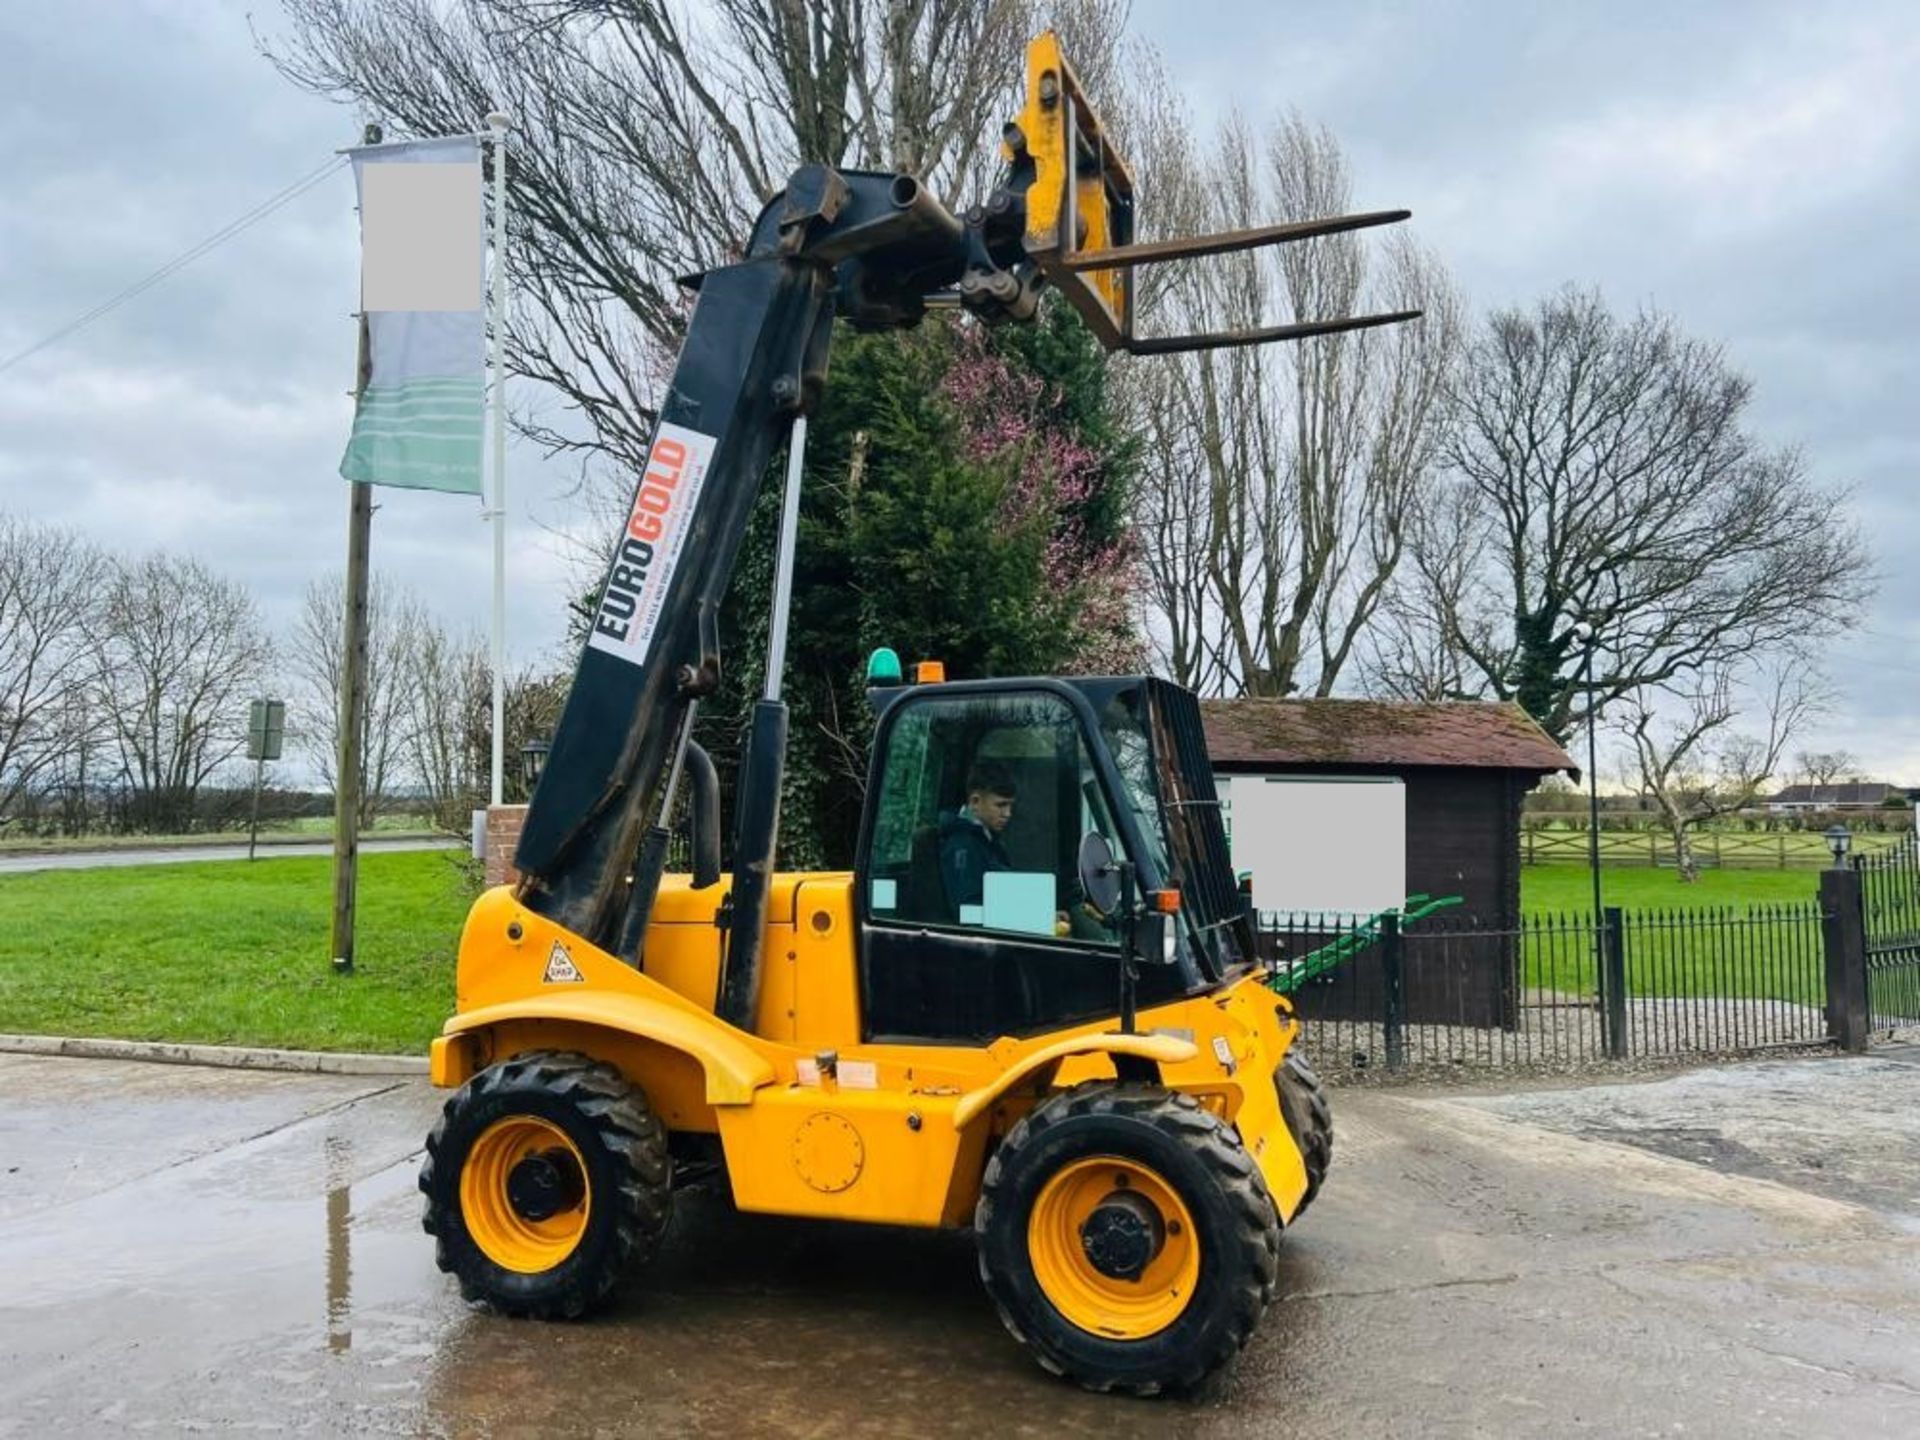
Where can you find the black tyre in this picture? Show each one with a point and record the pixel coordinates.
(1303, 1105)
(1126, 1237)
(547, 1180)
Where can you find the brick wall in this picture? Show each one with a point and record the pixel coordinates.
(503, 834)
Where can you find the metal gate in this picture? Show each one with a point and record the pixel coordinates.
(1890, 900)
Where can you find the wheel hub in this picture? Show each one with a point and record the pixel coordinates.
(544, 1184)
(1123, 1235)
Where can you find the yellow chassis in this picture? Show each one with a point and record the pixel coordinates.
(890, 1133)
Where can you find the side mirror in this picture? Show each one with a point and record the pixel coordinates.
(1099, 875)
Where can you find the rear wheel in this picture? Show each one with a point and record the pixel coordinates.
(1127, 1238)
(1303, 1105)
(546, 1180)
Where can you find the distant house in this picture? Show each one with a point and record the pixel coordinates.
(1350, 806)
(1854, 795)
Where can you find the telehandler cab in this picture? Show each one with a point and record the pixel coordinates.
(1033, 1007)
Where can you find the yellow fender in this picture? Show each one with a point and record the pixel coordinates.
(1162, 1049)
(734, 1069)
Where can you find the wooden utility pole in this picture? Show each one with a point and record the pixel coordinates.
(353, 680)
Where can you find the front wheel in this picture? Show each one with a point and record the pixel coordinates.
(1126, 1238)
(547, 1179)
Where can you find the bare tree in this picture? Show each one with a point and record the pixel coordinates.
(1285, 479)
(448, 681)
(395, 621)
(444, 710)
(72, 787)
(179, 652)
(1410, 654)
(1601, 483)
(48, 579)
(1690, 758)
(1826, 767)
(649, 134)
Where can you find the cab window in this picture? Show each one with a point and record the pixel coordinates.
(982, 805)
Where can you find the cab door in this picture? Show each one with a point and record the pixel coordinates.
(972, 924)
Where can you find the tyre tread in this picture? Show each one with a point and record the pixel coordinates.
(1303, 1103)
(626, 1130)
(1252, 1243)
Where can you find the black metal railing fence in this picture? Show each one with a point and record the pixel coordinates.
(1556, 991)
(1890, 910)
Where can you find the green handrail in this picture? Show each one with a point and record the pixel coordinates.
(1287, 976)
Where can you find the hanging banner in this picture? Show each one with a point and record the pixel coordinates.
(421, 411)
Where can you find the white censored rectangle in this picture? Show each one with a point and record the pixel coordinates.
(421, 237)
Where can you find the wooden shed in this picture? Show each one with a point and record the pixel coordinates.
(1456, 772)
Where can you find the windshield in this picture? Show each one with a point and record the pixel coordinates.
(1126, 736)
(983, 801)
(1154, 733)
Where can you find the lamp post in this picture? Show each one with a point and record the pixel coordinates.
(533, 759)
(1609, 962)
(1583, 636)
(1839, 841)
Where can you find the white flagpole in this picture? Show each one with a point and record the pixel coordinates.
(498, 125)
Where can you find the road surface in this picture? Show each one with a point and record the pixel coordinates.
(188, 1249)
(179, 854)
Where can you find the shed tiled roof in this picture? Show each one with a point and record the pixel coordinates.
(1259, 732)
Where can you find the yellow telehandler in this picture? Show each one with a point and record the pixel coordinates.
(1033, 1007)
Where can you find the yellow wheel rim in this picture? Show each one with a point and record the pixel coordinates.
(505, 1234)
(1085, 1294)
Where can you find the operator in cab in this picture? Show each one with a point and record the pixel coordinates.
(971, 846)
(970, 843)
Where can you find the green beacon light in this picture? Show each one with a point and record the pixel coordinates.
(883, 667)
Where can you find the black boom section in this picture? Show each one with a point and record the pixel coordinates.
(757, 331)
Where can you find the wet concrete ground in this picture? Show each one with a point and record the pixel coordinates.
(188, 1250)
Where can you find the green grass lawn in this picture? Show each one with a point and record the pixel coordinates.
(1569, 888)
(231, 953)
(1750, 946)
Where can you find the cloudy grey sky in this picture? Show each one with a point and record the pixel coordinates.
(1747, 166)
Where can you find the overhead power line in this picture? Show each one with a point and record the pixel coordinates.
(186, 257)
